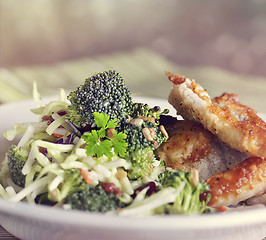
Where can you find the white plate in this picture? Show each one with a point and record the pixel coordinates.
(41, 222)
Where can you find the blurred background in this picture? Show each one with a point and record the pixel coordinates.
(59, 43)
(224, 33)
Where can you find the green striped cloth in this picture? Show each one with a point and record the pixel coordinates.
(143, 71)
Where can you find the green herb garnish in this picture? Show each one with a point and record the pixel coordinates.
(99, 144)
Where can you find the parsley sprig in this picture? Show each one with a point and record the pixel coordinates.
(99, 144)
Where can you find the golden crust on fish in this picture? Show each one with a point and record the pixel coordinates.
(236, 125)
(244, 181)
(190, 146)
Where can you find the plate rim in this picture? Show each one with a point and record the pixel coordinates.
(247, 217)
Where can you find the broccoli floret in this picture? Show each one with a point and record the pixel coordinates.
(171, 178)
(143, 109)
(146, 135)
(135, 137)
(141, 160)
(188, 201)
(104, 92)
(16, 159)
(142, 140)
(73, 182)
(94, 199)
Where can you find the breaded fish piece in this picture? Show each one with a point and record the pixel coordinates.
(191, 146)
(236, 125)
(244, 181)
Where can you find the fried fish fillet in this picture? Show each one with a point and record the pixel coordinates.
(242, 182)
(191, 146)
(236, 125)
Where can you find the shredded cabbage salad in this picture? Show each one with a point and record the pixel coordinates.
(45, 172)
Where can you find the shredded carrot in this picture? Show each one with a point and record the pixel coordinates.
(86, 176)
(220, 208)
(57, 135)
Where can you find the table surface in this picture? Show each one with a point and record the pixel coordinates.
(141, 68)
